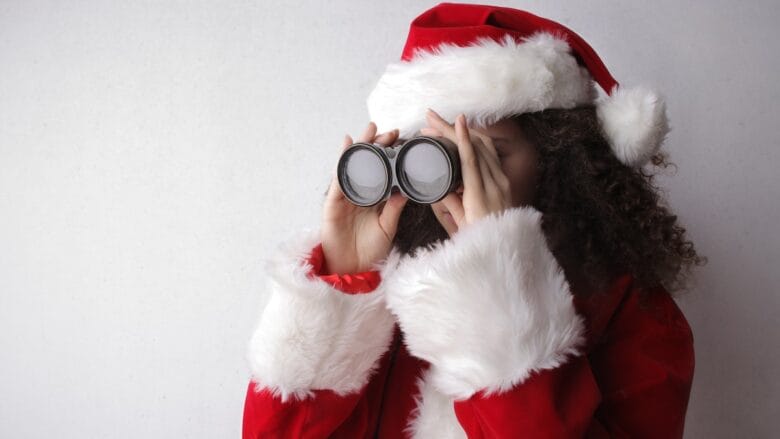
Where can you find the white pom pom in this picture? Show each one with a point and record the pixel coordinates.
(634, 122)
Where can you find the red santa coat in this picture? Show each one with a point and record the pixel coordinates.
(477, 337)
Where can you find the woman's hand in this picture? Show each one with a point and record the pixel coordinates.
(355, 237)
(486, 188)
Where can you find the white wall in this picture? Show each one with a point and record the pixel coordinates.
(151, 154)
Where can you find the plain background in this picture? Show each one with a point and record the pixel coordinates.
(153, 153)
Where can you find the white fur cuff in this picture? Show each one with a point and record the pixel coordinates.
(488, 306)
(311, 335)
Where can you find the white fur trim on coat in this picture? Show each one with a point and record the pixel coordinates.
(434, 413)
(311, 335)
(487, 81)
(487, 306)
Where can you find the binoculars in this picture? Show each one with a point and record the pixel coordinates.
(424, 169)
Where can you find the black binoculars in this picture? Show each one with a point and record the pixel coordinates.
(424, 169)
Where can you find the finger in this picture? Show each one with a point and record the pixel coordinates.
(488, 142)
(454, 205)
(469, 161)
(388, 138)
(484, 169)
(490, 154)
(391, 213)
(347, 142)
(437, 122)
(489, 166)
(497, 174)
(432, 132)
(369, 133)
(495, 193)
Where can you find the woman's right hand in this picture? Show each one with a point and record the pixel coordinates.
(355, 237)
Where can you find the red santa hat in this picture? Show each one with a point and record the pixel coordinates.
(491, 62)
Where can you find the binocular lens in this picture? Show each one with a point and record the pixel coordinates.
(366, 176)
(425, 170)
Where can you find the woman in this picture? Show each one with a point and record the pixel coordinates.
(534, 301)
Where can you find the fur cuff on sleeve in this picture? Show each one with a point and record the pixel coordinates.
(311, 335)
(488, 306)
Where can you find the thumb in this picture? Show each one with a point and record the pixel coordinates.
(391, 213)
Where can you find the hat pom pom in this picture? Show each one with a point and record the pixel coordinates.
(634, 122)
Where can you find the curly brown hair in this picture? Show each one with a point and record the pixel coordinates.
(601, 218)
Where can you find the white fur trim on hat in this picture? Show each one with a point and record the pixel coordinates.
(311, 335)
(487, 306)
(490, 80)
(487, 81)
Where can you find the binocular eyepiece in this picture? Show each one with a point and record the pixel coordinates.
(424, 169)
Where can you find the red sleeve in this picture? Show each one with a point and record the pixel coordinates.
(324, 413)
(635, 384)
(645, 369)
(556, 403)
(266, 416)
(355, 283)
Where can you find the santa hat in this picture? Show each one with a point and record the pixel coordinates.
(491, 62)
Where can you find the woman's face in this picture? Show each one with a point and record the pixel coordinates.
(518, 161)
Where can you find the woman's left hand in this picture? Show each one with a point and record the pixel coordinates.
(486, 188)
